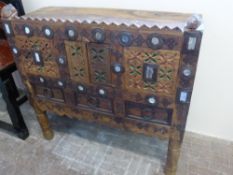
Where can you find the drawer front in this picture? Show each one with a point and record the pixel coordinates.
(94, 103)
(53, 94)
(96, 98)
(148, 113)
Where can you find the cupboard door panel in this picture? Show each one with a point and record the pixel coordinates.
(77, 61)
(165, 63)
(38, 56)
(99, 63)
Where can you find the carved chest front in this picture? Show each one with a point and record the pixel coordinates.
(122, 68)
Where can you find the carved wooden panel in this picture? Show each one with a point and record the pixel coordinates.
(43, 46)
(167, 62)
(99, 62)
(77, 61)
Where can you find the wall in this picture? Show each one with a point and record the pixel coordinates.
(210, 111)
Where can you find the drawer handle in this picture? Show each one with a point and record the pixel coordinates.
(147, 114)
(147, 117)
(47, 93)
(93, 101)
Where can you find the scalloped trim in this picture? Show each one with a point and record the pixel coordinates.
(120, 23)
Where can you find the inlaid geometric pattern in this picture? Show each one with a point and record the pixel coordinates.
(168, 62)
(45, 47)
(78, 65)
(99, 61)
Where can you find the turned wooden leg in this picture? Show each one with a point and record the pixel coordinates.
(173, 153)
(44, 124)
(41, 114)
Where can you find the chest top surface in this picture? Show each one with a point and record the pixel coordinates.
(137, 18)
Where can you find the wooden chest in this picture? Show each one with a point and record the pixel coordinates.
(126, 69)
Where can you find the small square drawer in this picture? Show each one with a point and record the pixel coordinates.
(94, 103)
(148, 113)
(49, 93)
(43, 91)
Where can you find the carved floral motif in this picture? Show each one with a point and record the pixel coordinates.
(99, 58)
(168, 62)
(78, 66)
(45, 47)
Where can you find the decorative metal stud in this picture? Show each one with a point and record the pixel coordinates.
(154, 41)
(152, 100)
(117, 68)
(102, 92)
(80, 88)
(48, 33)
(183, 96)
(15, 51)
(7, 29)
(191, 43)
(126, 38)
(27, 30)
(61, 60)
(71, 33)
(60, 83)
(42, 80)
(98, 35)
(187, 72)
(37, 58)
